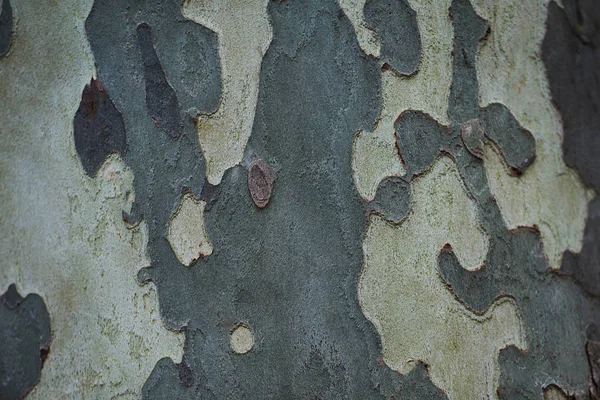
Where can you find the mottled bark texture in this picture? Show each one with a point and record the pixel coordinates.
(274, 304)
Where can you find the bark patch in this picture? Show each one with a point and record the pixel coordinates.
(98, 127)
(260, 183)
(6, 27)
(24, 342)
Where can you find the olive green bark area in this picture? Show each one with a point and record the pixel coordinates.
(24, 342)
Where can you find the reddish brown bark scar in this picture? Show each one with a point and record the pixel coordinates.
(260, 182)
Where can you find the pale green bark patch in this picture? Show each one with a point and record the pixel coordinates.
(417, 316)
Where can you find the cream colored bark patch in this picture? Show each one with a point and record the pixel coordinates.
(368, 40)
(548, 195)
(241, 339)
(375, 156)
(553, 392)
(245, 34)
(417, 316)
(187, 233)
(63, 233)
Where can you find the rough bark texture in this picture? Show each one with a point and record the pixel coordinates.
(300, 199)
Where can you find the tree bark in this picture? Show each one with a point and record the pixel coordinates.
(300, 199)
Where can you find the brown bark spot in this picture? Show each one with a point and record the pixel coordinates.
(260, 182)
(472, 136)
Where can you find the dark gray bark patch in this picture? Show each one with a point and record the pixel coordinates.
(6, 27)
(469, 29)
(24, 342)
(98, 128)
(392, 199)
(584, 266)
(172, 381)
(161, 100)
(396, 25)
(210, 194)
(571, 54)
(515, 142)
(420, 140)
(314, 380)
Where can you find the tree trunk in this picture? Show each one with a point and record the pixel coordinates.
(300, 199)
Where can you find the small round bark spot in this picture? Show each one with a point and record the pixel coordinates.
(260, 183)
(241, 339)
